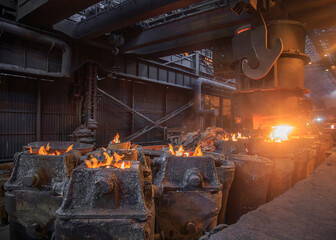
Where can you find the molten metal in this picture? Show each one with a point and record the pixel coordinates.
(280, 133)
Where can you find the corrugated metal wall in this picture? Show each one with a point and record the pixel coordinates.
(60, 111)
(152, 100)
(18, 112)
(17, 115)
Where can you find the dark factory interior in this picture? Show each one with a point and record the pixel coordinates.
(167, 119)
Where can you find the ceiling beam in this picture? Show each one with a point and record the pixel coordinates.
(45, 13)
(200, 28)
(123, 15)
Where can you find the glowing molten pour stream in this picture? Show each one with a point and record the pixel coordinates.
(280, 133)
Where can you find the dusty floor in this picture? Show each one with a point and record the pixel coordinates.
(307, 211)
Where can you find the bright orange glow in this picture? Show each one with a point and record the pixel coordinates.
(30, 150)
(243, 30)
(240, 136)
(280, 133)
(110, 161)
(116, 139)
(234, 138)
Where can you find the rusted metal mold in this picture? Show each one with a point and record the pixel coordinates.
(155, 150)
(250, 184)
(281, 177)
(225, 174)
(300, 160)
(61, 146)
(123, 145)
(232, 147)
(34, 190)
(188, 196)
(106, 203)
(258, 146)
(5, 172)
(311, 158)
(324, 144)
(293, 160)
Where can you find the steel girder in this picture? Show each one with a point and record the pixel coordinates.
(123, 15)
(197, 29)
(48, 12)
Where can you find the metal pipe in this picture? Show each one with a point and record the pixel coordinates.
(38, 38)
(198, 96)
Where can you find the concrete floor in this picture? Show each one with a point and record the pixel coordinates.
(307, 211)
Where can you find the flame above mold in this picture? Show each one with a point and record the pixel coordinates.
(116, 139)
(47, 151)
(181, 152)
(234, 137)
(114, 161)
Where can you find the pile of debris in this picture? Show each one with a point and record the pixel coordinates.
(204, 139)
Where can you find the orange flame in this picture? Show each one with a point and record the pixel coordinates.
(198, 152)
(123, 165)
(42, 151)
(171, 149)
(182, 152)
(110, 161)
(234, 138)
(47, 151)
(240, 136)
(69, 148)
(116, 139)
